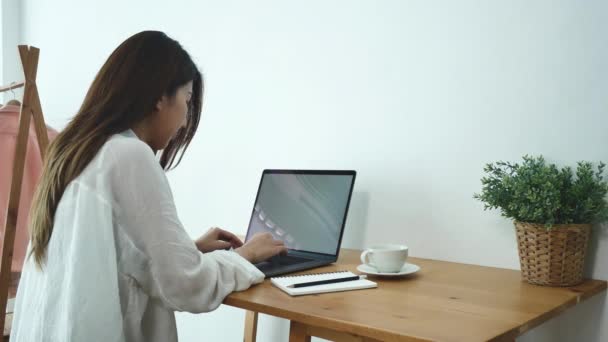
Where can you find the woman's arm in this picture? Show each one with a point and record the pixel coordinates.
(174, 271)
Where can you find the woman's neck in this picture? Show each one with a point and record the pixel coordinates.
(143, 133)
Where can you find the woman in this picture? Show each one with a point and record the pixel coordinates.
(109, 259)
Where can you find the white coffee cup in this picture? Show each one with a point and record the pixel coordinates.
(386, 258)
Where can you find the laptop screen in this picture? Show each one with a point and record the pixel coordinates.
(304, 209)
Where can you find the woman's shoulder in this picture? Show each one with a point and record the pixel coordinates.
(122, 162)
(125, 161)
(126, 147)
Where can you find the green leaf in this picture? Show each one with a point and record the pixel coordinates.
(538, 192)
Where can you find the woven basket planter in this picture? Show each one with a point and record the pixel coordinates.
(553, 257)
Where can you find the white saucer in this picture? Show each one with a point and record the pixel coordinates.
(406, 269)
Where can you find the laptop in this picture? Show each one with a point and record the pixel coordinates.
(306, 209)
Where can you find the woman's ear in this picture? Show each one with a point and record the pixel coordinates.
(161, 103)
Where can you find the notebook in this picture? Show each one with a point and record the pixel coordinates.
(283, 283)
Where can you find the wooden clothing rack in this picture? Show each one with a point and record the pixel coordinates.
(30, 108)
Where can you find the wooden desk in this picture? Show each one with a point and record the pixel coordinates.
(444, 301)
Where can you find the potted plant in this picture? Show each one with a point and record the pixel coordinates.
(553, 210)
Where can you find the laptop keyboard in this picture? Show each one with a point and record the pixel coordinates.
(282, 263)
(288, 260)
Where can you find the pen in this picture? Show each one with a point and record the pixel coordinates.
(330, 281)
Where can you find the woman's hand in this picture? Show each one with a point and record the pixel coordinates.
(261, 247)
(216, 238)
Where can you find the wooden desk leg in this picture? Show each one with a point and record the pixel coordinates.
(251, 326)
(298, 333)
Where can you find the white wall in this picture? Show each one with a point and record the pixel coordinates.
(10, 31)
(415, 95)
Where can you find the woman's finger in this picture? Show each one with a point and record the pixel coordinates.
(230, 237)
(216, 245)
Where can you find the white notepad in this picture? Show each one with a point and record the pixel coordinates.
(283, 282)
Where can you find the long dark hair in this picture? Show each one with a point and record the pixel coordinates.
(137, 74)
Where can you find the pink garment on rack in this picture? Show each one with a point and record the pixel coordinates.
(9, 126)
